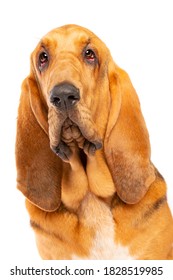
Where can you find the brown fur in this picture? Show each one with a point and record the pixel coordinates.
(103, 169)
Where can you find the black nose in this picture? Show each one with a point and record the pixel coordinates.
(64, 96)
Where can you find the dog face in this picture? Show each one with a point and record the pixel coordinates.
(71, 66)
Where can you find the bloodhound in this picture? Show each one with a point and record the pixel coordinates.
(83, 156)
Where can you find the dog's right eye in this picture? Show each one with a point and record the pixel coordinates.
(43, 60)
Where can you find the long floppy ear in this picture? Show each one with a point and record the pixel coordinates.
(127, 147)
(38, 168)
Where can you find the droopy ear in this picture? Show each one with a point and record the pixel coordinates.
(38, 168)
(127, 147)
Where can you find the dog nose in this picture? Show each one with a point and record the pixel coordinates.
(64, 96)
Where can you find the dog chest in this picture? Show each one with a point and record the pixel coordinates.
(95, 214)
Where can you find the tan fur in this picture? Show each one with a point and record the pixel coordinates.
(103, 199)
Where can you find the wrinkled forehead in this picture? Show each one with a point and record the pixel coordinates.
(70, 37)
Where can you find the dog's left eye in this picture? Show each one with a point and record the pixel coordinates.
(90, 56)
(43, 60)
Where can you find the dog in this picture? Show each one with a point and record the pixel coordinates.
(83, 156)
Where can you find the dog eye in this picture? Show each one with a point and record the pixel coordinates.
(90, 56)
(43, 60)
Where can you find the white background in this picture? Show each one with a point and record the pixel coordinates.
(138, 33)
